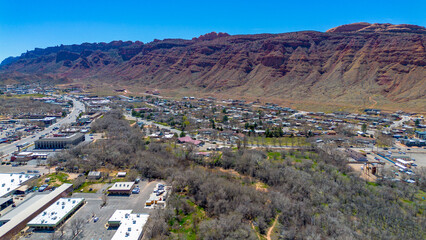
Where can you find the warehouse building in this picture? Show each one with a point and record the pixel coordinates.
(117, 217)
(59, 142)
(9, 182)
(56, 214)
(130, 224)
(15, 220)
(94, 175)
(122, 188)
(21, 207)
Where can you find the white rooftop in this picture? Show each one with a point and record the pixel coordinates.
(56, 212)
(11, 181)
(122, 186)
(24, 153)
(22, 216)
(131, 225)
(119, 215)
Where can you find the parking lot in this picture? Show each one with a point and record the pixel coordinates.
(92, 209)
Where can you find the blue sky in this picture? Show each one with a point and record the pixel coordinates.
(25, 25)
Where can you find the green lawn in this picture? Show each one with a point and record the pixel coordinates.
(184, 228)
(34, 95)
(282, 141)
(162, 123)
(56, 179)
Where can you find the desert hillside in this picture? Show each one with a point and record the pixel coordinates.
(355, 64)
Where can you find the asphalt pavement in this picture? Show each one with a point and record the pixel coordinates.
(78, 107)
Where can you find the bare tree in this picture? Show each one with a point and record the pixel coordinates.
(76, 226)
(63, 229)
(104, 200)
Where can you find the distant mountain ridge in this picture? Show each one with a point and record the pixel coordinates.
(349, 64)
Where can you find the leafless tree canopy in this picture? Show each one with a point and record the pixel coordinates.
(314, 193)
(23, 106)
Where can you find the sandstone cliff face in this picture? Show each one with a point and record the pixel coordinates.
(346, 64)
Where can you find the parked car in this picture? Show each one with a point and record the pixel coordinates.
(136, 190)
(43, 187)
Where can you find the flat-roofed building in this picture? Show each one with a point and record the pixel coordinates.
(59, 142)
(21, 207)
(94, 175)
(22, 157)
(9, 182)
(19, 219)
(56, 214)
(48, 120)
(117, 217)
(130, 224)
(122, 188)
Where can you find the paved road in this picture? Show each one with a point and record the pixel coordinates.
(400, 122)
(77, 108)
(146, 122)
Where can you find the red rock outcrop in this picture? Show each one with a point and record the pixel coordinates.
(346, 64)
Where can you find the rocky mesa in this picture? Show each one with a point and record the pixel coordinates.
(352, 64)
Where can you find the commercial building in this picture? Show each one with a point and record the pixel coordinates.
(122, 188)
(48, 120)
(56, 214)
(59, 142)
(22, 157)
(411, 142)
(93, 175)
(117, 217)
(130, 224)
(9, 182)
(18, 218)
(20, 208)
(27, 156)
